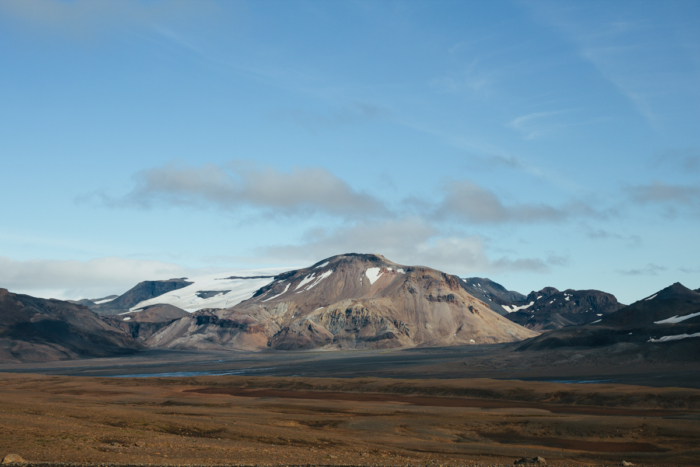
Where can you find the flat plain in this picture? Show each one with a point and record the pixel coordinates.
(401, 407)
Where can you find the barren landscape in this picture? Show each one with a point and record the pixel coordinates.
(452, 415)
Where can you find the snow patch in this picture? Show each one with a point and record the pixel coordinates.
(305, 281)
(677, 319)
(513, 308)
(677, 337)
(401, 271)
(127, 318)
(321, 265)
(275, 296)
(651, 297)
(539, 296)
(373, 274)
(596, 321)
(566, 297)
(100, 302)
(319, 279)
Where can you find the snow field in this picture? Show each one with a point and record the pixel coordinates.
(677, 319)
(238, 290)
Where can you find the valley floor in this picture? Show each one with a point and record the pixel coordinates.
(275, 420)
(451, 406)
(497, 361)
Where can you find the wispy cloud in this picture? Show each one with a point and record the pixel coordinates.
(348, 114)
(648, 270)
(539, 124)
(625, 51)
(601, 234)
(468, 202)
(672, 197)
(683, 159)
(475, 78)
(301, 191)
(85, 19)
(307, 191)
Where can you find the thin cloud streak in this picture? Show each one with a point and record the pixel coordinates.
(649, 270)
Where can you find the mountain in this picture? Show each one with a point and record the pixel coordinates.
(35, 329)
(668, 317)
(144, 323)
(491, 293)
(140, 292)
(551, 309)
(347, 301)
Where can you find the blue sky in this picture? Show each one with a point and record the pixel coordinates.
(534, 143)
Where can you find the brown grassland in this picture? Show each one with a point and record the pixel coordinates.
(291, 420)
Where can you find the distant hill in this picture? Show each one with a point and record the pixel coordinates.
(35, 330)
(551, 309)
(347, 302)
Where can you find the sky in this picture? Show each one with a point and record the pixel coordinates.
(534, 143)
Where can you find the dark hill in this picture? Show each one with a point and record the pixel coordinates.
(675, 300)
(668, 320)
(35, 329)
(551, 309)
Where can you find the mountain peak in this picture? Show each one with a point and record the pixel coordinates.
(674, 291)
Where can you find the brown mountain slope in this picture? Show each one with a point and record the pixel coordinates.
(34, 329)
(348, 302)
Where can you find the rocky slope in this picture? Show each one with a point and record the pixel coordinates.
(551, 309)
(347, 302)
(144, 323)
(670, 317)
(35, 329)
